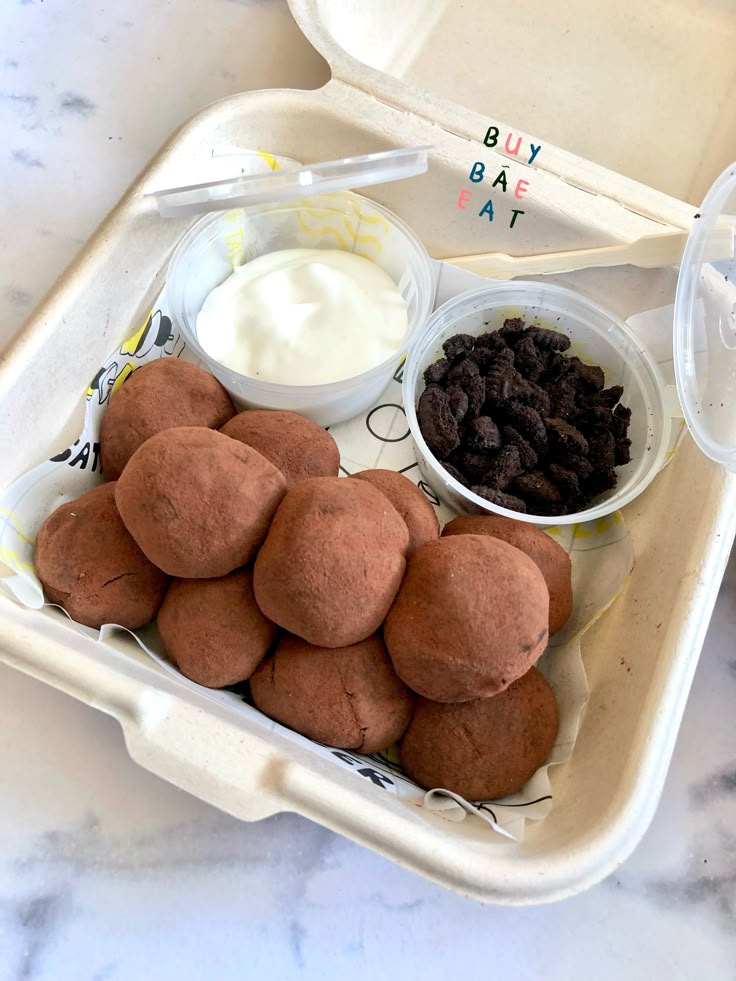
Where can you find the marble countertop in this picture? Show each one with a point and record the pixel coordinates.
(109, 874)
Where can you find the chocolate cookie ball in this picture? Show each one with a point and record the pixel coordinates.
(157, 396)
(297, 446)
(347, 697)
(408, 500)
(551, 558)
(213, 630)
(486, 748)
(470, 618)
(332, 562)
(90, 564)
(198, 503)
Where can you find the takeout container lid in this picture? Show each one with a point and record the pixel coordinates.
(705, 324)
(347, 173)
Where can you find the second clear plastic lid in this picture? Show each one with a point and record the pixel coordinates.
(288, 185)
(705, 324)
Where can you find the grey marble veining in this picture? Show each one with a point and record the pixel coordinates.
(108, 874)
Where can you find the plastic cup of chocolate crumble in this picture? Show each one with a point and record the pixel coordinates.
(596, 338)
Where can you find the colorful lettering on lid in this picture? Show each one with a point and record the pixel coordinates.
(487, 209)
(462, 201)
(522, 187)
(476, 174)
(515, 151)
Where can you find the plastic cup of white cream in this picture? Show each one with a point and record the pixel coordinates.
(219, 243)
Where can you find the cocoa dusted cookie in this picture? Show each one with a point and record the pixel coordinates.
(551, 558)
(349, 697)
(332, 562)
(486, 748)
(197, 502)
(409, 501)
(470, 618)
(159, 395)
(297, 446)
(213, 630)
(90, 564)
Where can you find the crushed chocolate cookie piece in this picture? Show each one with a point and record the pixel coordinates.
(549, 340)
(566, 480)
(455, 473)
(610, 396)
(622, 452)
(578, 464)
(461, 371)
(458, 344)
(535, 396)
(590, 375)
(484, 357)
(593, 418)
(512, 327)
(527, 359)
(502, 382)
(493, 341)
(436, 372)
(475, 388)
(458, 402)
(566, 438)
(483, 434)
(620, 422)
(562, 398)
(500, 498)
(601, 450)
(505, 466)
(437, 422)
(535, 486)
(527, 456)
(528, 422)
(599, 482)
(473, 465)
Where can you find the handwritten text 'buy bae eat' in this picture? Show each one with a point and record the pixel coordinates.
(477, 174)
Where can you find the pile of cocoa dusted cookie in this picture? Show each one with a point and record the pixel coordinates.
(355, 622)
(513, 418)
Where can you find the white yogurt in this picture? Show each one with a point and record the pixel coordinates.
(303, 317)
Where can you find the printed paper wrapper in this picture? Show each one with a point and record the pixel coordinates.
(601, 553)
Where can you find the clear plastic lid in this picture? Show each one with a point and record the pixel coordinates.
(287, 185)
(705, 324)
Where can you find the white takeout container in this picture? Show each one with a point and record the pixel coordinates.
(206, 256)
(384, 58)
(598, 337)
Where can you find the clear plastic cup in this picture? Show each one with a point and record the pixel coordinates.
(210, 250)
(598, 337)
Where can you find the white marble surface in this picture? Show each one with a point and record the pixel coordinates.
(107, 872)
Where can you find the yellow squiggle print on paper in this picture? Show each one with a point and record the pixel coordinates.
(16, 524)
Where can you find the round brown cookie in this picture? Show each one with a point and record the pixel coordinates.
(349, 697)
(551, 558)
(297, 446)
(213, 630)
(159, 395)
(90, 564)
(332, 562)
(485, 748)
(198, 503)
(470, 618)
(408, 500)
